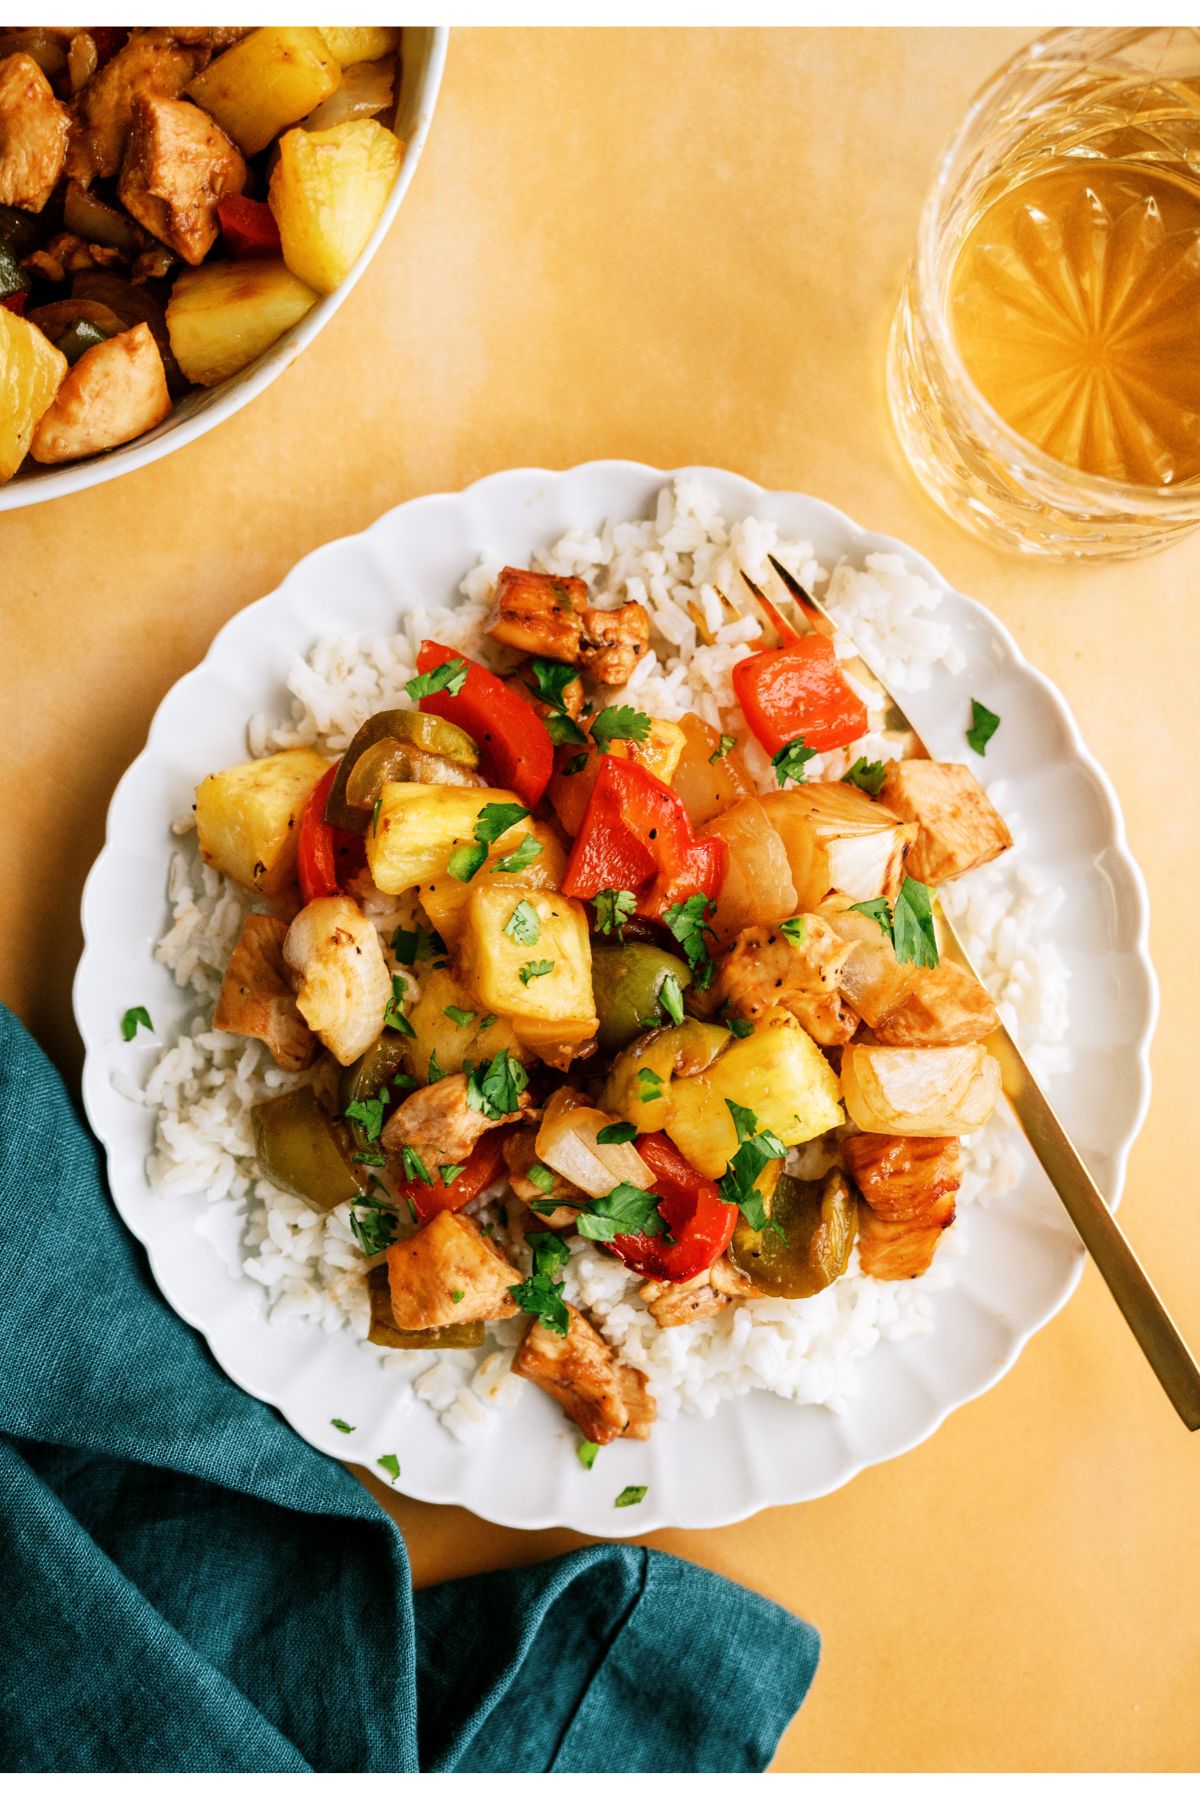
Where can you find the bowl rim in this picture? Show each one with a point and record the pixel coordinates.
(238, 390)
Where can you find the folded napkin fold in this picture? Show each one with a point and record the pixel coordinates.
(189, 1586)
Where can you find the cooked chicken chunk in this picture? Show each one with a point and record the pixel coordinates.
(680, 1302)
(178, 165)
(958, 828)
(256, 998)
(909, 1187)
(584, 1376)
(615, 641)
(540, 614)
(449, 1273)
(115, 391)
(520, 1154)
(947, 1006)
(152, 63)
(899, 1249)
(33, 134)
(209, 37)
(730, 1280)
(548, 615)
(764, 968)
(342, 983)
(439, 1123)
(872, 981)
(903, 1177)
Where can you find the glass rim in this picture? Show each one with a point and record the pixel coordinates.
(1000, 437)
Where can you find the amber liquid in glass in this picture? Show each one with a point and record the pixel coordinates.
(1075, 302)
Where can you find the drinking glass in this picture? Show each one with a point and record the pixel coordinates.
(1121, 95)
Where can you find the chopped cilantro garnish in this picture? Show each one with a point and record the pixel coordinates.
(741, 1028)
(879, 910)
(577, 764)
(530, 971)
(723, 748)
(620, 1133)
(435, 1071)
(550, 681)
(562, 729)
(541, 1176)
(488, 1020)
(457, 1295)
(649, 1085)
(688, 923)
(527, 851)
(460, 1014)
(789, 762)
(587, 1452)
(393, 1018)
(913, 931)
(449, 675)
(497, 817)
(450, 1172)
(390, 1465)
(523, 926)
(495, 1089)
(137, 1015)
(795, 931)
(541, 1294)
(369, 1114)
(612, 907)
(755, 1150)
(341, 1425)
(670, 998)
(375, 1228)
(619, 724)
(631, 1496)
(982, 728)
(416, 946)
(869, 776)
(415, 1166)
(370, 1158)
(375, 811)
(626, 1211)
(909, 924)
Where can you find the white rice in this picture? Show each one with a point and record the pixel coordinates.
(204, 1086)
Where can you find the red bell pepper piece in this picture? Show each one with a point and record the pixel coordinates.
(697, 1218)
(15, 302)
(325, 857)
(248, 226)
(796, 691)
(482, 1167)
(513, 743)
(636, 834)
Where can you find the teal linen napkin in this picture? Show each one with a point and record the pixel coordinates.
(188, 1586)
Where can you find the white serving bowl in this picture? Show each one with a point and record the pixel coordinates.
(424, 58)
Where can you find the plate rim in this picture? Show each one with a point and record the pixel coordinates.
(759, 500)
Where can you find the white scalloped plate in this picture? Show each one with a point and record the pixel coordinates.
(1021, 1258)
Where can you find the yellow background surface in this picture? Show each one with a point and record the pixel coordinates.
(685, 247)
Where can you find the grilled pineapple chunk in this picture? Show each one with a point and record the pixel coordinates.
(837, 840)
(777, 1072)
(224, 314)
(30, 372)
(420, 826)
(246, 817)
(360, 43)
(526, 954)
(327, 193)
(445, 899)
(435, 1031)
(266, 81)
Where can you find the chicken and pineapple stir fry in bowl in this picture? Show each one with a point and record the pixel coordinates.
(171, 201)
(551, 974)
